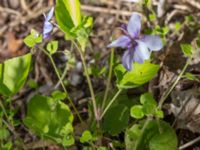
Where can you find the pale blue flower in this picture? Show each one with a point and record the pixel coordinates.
(48, 27)
(138, 47)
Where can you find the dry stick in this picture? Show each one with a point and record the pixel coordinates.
(189, 143)
(89, 82)
(105, 10)
(179, 113)
(22, 19)
(62, 84)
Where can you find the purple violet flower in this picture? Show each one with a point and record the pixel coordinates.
(139, 47)
(48, 27)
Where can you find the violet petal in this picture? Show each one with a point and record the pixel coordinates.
(127, 59)
(142, 50)
(153, 42)
(134, 25)
(50, 14)
(122, 41)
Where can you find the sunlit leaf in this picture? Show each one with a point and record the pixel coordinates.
(141, 74)
(13, 74)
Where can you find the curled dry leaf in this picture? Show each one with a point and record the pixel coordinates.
(186, 108)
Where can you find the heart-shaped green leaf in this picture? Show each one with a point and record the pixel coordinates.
(51, 119)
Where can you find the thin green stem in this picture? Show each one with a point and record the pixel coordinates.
(142, 132)
(109, 78)
(3, 109)
(173, 85)
(62, 84)
(89, 81)
(111, 102)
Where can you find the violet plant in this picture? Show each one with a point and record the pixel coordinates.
(139, 47)
(111, 111)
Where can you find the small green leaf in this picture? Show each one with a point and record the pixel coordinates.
(137, 112)
(102, 148)
(116, 119)
(187, 49)
(190, 76)
(141, 74)
(4, 133)
(29, 41)
(178, 26)
(32, 39)
(152, 16)
(159, 114)
(149, 104)
(58, 95)
(147, 98)
(86, 137)
(52, 47)
(32, 84)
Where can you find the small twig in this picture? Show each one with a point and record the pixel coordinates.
(160, 8)
(105, 10)
(194, 3)
(189, 143)
(23, 19)
(183, 107)
(10, 11)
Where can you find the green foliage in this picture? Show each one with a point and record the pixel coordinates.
(52, 47)
(137, 111)
(152, 16)
(116, 119)
(50, 119)
(75, 26)
(73, 7)
(148, 108)
(58, 95)
(4, 133)
(187, 49)
(7, 146)
(141, 74)
(32, 39)
(86, 136)
(13, 74)
(190, 76)
(158, 135)
(32, 84)
(178, 26)
(63, 17)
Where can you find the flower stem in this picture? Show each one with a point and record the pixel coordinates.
(142, 132)
(111, 102)
(109, 78)
(62, 84)
(173, 85)
(89, 81)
